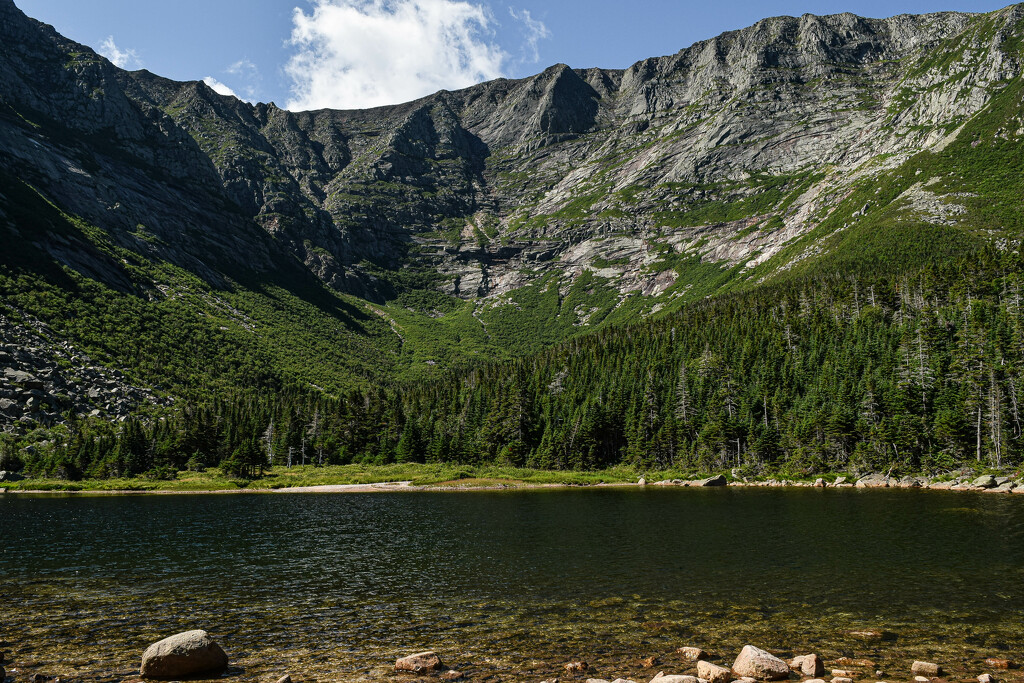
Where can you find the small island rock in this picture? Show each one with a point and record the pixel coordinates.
(757, 663)
(986, 678)
(420, 663)
(285, 679)
(183, 654)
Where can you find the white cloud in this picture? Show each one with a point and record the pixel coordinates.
(125, 59)
(535, 31)
(243, 67)
(218, 87)
(366, 53)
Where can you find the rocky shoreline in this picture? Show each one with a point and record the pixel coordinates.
(195, 655)
(986, 483)
(982, 484)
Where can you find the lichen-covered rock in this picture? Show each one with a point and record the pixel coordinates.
(183, 654)
(760, 664)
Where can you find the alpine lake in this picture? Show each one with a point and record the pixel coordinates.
(511, 585)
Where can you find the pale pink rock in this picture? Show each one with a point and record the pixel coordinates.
(713, 673)
(760, 664)
(808, 665)
(420, 663)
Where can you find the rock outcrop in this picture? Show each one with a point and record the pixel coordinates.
(739, 154)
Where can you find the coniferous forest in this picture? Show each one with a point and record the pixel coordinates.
(910, 373)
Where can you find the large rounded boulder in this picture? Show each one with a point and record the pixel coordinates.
(185, 654)
(754, 662)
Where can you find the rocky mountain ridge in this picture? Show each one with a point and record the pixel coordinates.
(506, 216)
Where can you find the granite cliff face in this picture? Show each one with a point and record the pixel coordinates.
(729, 163)
(501, 183)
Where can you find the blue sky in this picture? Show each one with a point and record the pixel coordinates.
(305, 54)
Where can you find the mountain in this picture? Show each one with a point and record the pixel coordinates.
(196, 243)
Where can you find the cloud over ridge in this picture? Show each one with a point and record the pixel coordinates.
(365, 53)
(123, 59)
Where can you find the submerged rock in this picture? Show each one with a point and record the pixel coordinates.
(452, 675)
(998, 663)
(420, 663)
(694, 654)
(929, 669)
(576, 667)
(183, 654)
(872, 635)
(808, 665)
(649, 663)
(285, 679)
(757, 663)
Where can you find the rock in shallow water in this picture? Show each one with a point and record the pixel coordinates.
(808, 665)
(183, 654)
(420, 663)
(662, 677)
(713, 673)
(998, 663)
(694, 654)
(757, 663)
(926, 669)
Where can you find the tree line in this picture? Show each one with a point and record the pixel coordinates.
(903, 373)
